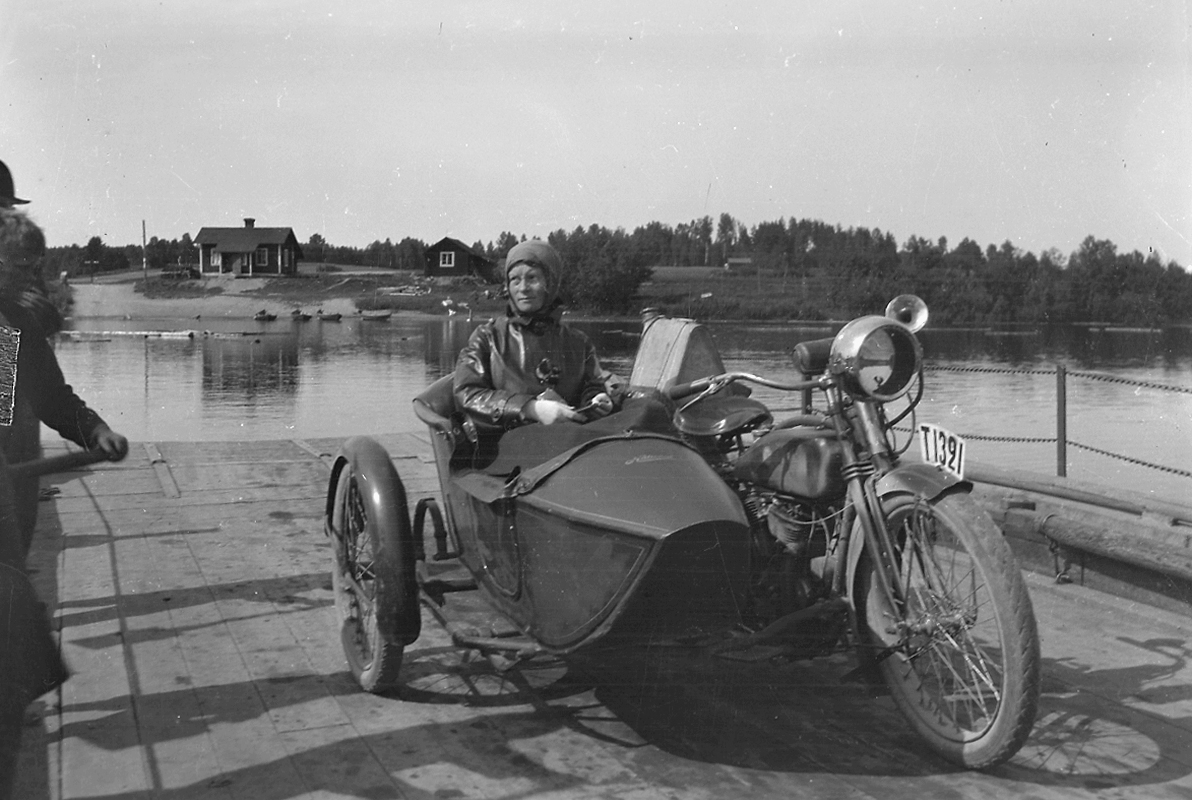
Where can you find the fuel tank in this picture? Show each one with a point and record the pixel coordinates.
(804, 462)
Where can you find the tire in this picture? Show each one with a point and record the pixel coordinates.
(373, 576)
(966, 672)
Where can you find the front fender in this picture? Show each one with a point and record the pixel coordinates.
(923, 480)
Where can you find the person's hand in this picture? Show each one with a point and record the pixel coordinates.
(616, 387)
(111, 443)
(599, 406)
(548, 412)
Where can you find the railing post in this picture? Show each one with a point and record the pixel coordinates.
(1061, 421)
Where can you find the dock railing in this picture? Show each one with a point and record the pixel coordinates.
(1061, 440)
(1125, 542)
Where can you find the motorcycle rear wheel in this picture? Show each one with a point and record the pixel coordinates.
(962, 659)
(363, 582)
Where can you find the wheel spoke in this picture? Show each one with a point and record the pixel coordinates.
(944, 602)
(364, 578)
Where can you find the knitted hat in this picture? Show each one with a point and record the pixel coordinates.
(8, 195)
(541, 255)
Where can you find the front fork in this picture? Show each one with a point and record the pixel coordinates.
(873, 473)
(862, 428)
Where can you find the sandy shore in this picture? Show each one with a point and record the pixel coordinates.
(118, 300)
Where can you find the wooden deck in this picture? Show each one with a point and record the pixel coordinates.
(191, 587)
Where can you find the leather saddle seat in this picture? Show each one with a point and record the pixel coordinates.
(721, 415)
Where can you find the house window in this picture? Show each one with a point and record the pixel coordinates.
(447, 260)
(262, 256)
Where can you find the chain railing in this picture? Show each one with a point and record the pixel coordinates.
(1061, 440)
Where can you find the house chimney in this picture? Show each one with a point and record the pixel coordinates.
(248, 222)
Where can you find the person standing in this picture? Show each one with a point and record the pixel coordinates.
(30, 664)
(42, 393)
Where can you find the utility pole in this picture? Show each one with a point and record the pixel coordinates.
(144, 256)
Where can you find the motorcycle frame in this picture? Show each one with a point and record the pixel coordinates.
(871, 469)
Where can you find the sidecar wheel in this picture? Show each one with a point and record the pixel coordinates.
(965, 668)
(373, 576)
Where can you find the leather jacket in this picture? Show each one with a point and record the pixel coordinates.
(506, 363)
(42, 392)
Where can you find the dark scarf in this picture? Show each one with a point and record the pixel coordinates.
(540, 321)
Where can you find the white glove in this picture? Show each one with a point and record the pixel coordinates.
(548, 412)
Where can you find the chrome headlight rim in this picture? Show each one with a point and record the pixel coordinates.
(849, 357)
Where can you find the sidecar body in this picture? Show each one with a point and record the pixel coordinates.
(604, 535)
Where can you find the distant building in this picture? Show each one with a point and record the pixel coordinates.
(452, 258)
(737, 263)
(249, 250)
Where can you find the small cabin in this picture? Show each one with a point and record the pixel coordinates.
(248, 251)
(452, 258)
(738, 264)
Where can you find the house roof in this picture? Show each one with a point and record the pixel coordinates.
(243, 240)
(455, 244)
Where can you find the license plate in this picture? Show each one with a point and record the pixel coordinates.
(942, 448)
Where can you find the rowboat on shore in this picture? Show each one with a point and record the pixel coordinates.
(336, 317)
(378, 314)
(264, 316)
(298, 315)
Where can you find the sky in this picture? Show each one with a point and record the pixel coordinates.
(363, 120)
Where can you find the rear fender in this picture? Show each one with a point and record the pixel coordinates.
(920, 480)
(388, 514)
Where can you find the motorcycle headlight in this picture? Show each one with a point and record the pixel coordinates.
(875, 357)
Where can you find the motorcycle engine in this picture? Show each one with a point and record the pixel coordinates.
(789, 542)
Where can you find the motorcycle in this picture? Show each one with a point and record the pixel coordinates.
(693, 516)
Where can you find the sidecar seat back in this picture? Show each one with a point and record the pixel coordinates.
(454, 439)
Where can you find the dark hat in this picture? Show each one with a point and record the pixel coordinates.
(541, 255)
(8, 195)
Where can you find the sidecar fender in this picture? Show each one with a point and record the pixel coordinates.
(923, 480)
(398, 614)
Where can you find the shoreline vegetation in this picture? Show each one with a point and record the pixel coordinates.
(782, 270)
(708, 294)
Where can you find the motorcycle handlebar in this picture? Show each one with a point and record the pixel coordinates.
(681, 390)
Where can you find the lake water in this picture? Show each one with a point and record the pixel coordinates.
(322, 379)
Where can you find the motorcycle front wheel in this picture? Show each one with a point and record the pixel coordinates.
(961, 658)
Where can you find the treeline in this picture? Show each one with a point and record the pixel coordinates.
(810, 269)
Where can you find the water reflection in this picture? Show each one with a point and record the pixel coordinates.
(317, 380)
(444, 339)
(247, 369)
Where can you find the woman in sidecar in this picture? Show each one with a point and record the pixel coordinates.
(527, 366)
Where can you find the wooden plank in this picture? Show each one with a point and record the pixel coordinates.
(211, 617)
(96, 721)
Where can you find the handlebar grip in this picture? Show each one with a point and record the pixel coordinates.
(811, 358)
(681, 390)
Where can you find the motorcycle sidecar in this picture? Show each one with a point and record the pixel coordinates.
(616, 539)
